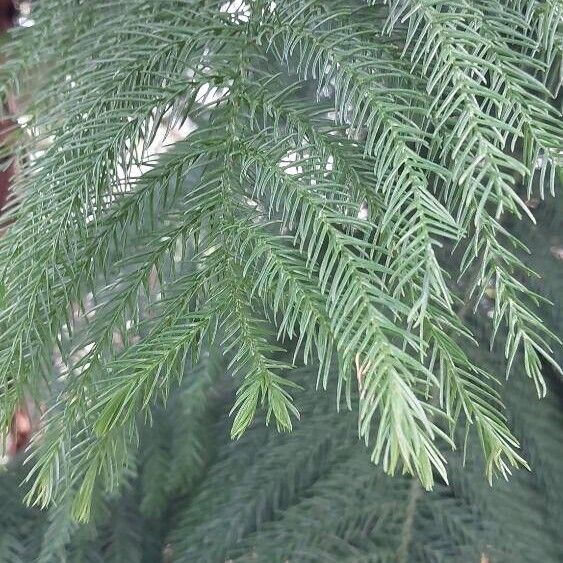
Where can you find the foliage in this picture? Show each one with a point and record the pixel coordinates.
(309, 496)
(342, 152)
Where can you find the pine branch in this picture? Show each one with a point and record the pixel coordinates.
(340, 151)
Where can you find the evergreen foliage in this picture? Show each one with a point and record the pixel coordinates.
(308, 496)
(348, 201)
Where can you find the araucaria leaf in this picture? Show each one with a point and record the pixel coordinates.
(284, 183)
